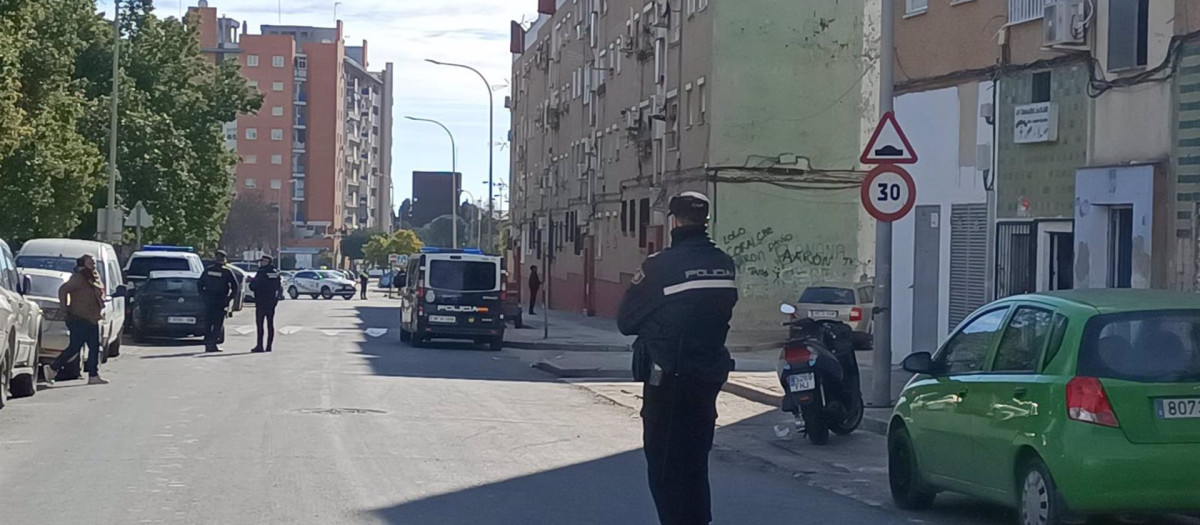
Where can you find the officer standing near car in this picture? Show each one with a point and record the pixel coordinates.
(268, 288)
(218, 287)
(679, 307)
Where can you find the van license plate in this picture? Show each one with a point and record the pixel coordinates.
(1179, 408)
(181, 320)
(445, 319)
(801, 383)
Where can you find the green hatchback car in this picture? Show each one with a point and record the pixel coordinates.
(1064, 405)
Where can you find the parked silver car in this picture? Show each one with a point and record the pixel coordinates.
(20, 331)
(850, 303)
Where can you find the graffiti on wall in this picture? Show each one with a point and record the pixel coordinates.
(769, 262)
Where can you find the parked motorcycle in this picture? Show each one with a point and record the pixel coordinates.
(819, 374)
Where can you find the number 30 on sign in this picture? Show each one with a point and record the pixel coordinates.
(889, 193)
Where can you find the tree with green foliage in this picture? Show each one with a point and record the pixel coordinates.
(353, 243)
(173, 104)
(48, 170)
(403, 242)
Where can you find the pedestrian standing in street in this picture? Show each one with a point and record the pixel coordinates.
(218, 287)
(268, 288)
(83, 298)
(679, 307)
(364, 280)
(535, 285)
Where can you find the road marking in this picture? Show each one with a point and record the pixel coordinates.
(377, 332)
(289, 330)
(244, 330)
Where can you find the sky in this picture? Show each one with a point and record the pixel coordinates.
(406, 32)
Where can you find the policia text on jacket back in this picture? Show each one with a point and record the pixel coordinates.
(218, 287)
(679, 307)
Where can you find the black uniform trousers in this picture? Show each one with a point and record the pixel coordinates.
(679, 418)
(265, 311)
(214, 319)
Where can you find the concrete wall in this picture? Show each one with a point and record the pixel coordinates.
(945, 128)
(946, 38)
(1186, 167)
(1144, 112)
(1042, 173)
(1098, 189)
(809, 103)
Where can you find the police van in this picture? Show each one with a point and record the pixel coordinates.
(452, 294)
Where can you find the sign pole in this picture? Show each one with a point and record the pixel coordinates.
(881, 372)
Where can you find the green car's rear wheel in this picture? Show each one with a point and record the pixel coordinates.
(1040, 502)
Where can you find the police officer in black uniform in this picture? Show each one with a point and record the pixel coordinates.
(218, 287)
(267, 288)
(679, 307)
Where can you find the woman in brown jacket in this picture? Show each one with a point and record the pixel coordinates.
(83, 299)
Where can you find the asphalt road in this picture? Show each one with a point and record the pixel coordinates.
(343, 424)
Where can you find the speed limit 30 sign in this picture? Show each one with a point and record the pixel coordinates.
(889, 193)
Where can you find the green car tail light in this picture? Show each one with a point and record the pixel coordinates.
(1087, 402)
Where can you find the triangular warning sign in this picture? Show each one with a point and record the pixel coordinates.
(888, 145)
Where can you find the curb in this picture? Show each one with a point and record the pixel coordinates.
(769, 398)
(583, 373)
(565, 347)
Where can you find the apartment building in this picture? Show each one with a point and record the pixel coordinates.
(619, 104)
(296, 151)
(368, 143)
(1057, 151)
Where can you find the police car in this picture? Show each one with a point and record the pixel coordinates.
(453, 294)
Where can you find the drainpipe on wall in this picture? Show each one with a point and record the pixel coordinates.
(989, 185)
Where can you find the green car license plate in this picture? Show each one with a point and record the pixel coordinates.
(1178, 408)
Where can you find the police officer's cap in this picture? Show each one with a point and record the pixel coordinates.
(690, 204)
(221, 253)
(267, 258)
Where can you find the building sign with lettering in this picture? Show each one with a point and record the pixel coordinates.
(1036, 123)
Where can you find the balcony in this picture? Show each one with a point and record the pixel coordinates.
(301, 98)
(301, 74)
(299, 146)
(299, 172)
(298, 195)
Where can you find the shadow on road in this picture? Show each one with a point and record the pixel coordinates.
(440, 359)
(171, 356)
(613, 489)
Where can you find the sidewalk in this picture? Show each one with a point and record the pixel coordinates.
(764, 387)
(572, 331)
(568, 332)
(754, 378)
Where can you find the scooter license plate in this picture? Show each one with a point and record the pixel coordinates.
(801, 382)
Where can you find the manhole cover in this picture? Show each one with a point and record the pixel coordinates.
(340, 411)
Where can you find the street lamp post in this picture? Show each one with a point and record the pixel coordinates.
(453, 179)
(491, 136)
(106, 230)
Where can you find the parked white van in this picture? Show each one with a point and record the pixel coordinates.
(59, 255)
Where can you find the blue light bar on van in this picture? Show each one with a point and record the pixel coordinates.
(467, 251)
(166, 248)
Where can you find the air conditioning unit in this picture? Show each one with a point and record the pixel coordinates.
(1065, 22)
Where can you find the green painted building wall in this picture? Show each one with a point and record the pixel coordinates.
(1186, 167)
(788, 83)
(1042, 173)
